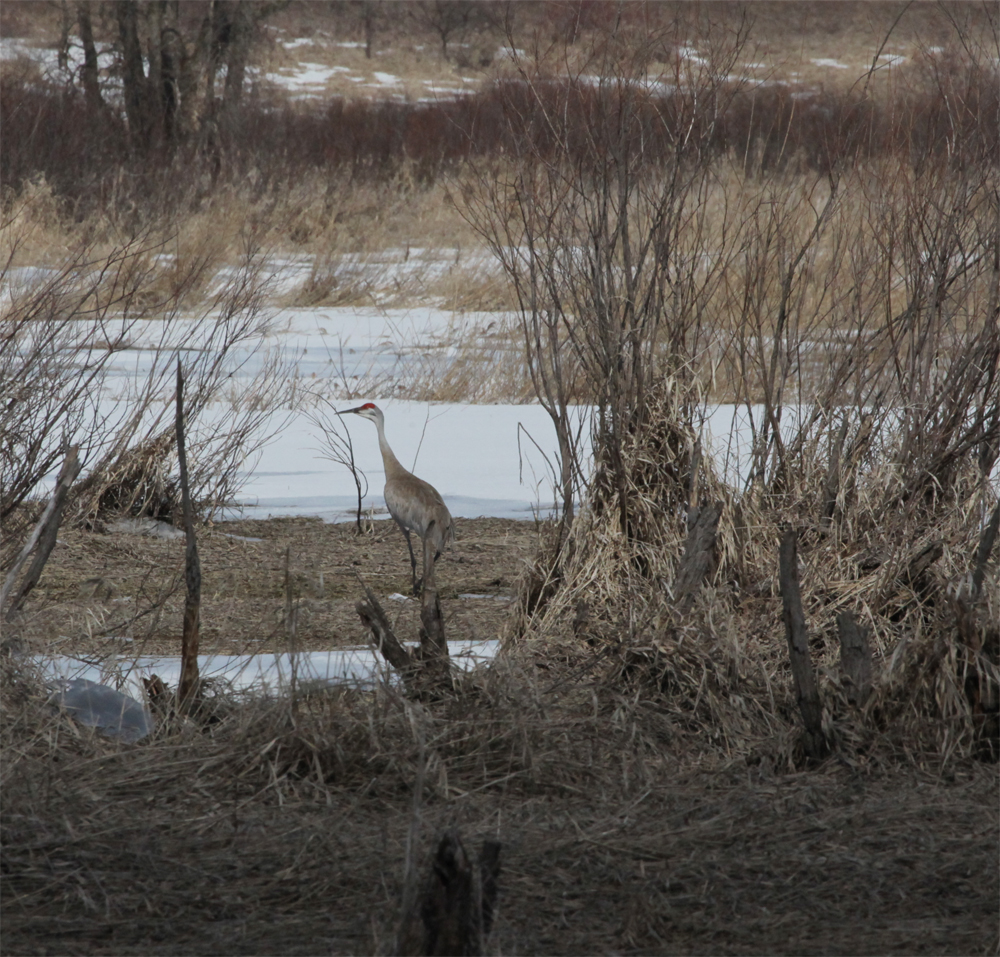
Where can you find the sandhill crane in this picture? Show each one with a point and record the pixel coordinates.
(415, 504)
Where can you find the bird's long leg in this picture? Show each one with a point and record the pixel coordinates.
(413, 562)
(428, 566)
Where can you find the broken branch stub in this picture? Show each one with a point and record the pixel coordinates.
(374, 618)
(43, 535)
(699, 558)
(188, 685)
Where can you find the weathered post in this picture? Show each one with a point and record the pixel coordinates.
(699, 558)
(806, 690)
(855, 658)
(454, 913)
(187, 686)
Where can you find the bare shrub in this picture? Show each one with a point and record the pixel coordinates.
(603, 235)
(338, 448)
(854, 318)
(66, 362)
(235, 388)
(56, 350)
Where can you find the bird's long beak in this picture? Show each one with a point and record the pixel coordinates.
(347, 411)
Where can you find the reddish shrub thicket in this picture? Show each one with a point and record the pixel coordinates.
(53, 132)
(949, 108)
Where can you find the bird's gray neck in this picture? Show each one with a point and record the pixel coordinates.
(389, 460)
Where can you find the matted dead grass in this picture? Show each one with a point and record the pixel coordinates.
(639, 769)
(284, 829)
(899, 559)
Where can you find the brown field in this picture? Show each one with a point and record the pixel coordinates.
(283, 827)
(100, 588)
(259, 854)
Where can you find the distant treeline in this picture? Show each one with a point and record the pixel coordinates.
(83, 151)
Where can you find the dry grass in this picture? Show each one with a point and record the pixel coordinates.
(720, 668)
(639, 768)
(111, 593)
(283, 828)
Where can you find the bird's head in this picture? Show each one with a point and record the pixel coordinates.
(368, 411)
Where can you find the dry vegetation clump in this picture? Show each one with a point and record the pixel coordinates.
(614, 600)
(851, 310)
(107, 835)
(716, 663)
(483, 364)
(71, 328)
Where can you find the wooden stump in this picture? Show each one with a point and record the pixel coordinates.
(454, 912)
(427, 670)
(699, 558)
(806, 690)
(855, 658)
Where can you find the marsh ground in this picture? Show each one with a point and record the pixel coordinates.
(111, 592)
(287, 832)
(225, 843)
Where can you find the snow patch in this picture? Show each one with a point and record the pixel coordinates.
(829, 62)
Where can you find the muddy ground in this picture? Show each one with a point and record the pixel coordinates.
(109, 592)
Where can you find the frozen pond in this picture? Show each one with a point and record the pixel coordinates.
(477, 456)
(486, 460)
(267, 673)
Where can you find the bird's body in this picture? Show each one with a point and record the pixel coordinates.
(415, 504)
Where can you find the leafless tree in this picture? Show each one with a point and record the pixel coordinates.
(448, 19)
(168, 59)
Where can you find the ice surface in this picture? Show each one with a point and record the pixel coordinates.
(260, 672)
(478, 456)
